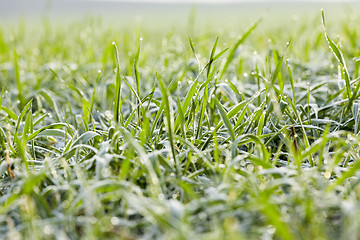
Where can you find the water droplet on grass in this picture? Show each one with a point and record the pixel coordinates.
(161, 197)
(202, 216)
(105, 172)
(47, 230)
(271, 230)
(65, 204)
(16, 190)
(114, 220)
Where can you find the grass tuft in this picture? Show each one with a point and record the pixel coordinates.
(178, 137)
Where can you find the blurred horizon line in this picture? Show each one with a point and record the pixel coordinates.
(216, 1)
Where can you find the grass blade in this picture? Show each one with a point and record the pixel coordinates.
(169, 124)
(117, 106)
(225, 119)
(236, 45)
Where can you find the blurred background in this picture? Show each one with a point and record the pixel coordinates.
(165, 13)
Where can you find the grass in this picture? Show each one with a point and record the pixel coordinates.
(109, 133)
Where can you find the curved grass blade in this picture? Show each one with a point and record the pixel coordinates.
(22, 114)
(211, 57)
(194, 52)
(225, 119)
(51, 126)
(340, 57)
(236, 45)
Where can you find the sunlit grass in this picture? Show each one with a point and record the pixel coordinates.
(122, 133)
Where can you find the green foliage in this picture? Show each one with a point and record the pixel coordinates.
(179, 140)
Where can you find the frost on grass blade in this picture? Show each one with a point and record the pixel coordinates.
(340, 57)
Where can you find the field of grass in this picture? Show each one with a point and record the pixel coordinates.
(127, 133)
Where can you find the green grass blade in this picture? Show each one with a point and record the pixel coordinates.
(211, 58)
(117, 98)
(225, 119)
(261, 124)
(137, 79)
(339, 56)
(202, 112)
(169, 124)
(230, 58)
(18, 80)
(51, 126)
(22, 114)
(194, 51)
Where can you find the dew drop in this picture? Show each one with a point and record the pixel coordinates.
(65, 204)
(271, 230)
(47, 230)
(161, 197)
(114, 221)
(105, 172)
(155, 180)
(202, 216)
(16, 190)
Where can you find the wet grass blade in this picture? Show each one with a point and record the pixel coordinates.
(137, 79)
(169, 120)
(117, 98)
(236, 45)
(194, 51)
(225, 119)
(22, 114)
(18, 81)
(340, 57)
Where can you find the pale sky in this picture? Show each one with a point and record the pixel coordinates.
(13, 9)
(216, 1)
